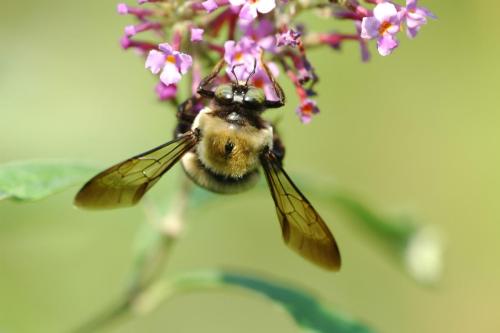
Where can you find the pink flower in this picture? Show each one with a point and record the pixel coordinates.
(262, 81)
(288, 38)
(416, 17)
(262, 32)
(196, 34)
(250, 8)
(306, 110)
(243, 31)
(165, 92)
(365, 53)
(210, 5)
(241, 56)
(171, 63)
(383, 25)
(140, 13)
(131, 30)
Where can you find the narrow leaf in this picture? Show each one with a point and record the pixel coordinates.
(37, 179)
(307, 311)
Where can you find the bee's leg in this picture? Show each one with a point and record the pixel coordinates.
(278, 147)
(186, 112)
(203, 87)
(277, 89)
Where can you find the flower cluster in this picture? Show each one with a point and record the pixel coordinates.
(387, 20)
(183, 35)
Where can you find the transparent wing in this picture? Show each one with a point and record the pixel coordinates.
(303, 229)
(125, 183)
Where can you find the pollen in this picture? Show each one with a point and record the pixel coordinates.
(384, 27)
(238, 56)
(170, 58)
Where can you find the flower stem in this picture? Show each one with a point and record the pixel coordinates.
(150, 263)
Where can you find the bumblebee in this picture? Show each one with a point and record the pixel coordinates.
(221, 148)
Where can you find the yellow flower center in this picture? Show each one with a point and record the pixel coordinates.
(170, 58)
(238, 56)
(384, 27)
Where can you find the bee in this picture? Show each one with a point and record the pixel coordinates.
(221, 148)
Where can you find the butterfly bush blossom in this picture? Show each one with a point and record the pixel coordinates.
(186, 38)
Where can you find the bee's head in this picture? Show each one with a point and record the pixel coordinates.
(249, 97)
(241, 93)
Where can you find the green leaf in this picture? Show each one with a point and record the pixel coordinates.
(307, 311)
(37, 179)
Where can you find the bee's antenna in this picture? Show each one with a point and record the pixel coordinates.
(234, 74)
(252, 73)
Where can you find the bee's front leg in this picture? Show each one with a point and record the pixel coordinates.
(276, 87)
(203, 89)
(186, 113)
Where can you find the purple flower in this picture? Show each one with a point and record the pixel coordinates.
(288, 38)
(262, 32)
(262, 81)
(241, 56)
(196, 34)
(140, 13)
(416, 17)
(165, 92)
(383, 25)
(306, 110)
(122, 9)
(210, 5)
(132, 30)
(365, 53)
(171, 63)
(242, 31)
(250, 8)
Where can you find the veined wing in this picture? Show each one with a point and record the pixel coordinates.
(303, 229)
(124, 184)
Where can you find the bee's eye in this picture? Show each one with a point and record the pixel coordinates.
(254, 97)
(224, 93)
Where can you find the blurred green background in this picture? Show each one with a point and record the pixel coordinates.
(417, 131)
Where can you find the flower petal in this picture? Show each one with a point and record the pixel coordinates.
(393, 29)
(411, 4)
(155, 61)
(248, 13)
(184, 62)
(412, 32)
(265, 6)
(412, 23)
(196, 34)
(170, 74)
(384, 11)
(165, 92)
(369, 27)
(210, 5)
(386, 44)
(229, 51)
(166, 48)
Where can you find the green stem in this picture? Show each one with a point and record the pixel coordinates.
(107, 318)
(149, 264)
